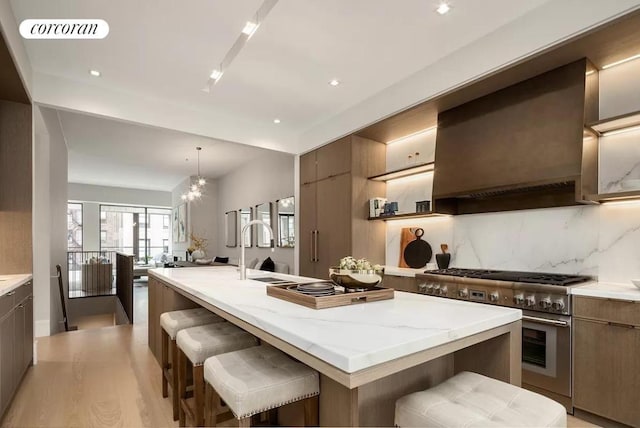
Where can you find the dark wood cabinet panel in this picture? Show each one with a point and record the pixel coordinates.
(7, 362)
(334, 159)
(308, 225)
(308, 168)
(607, 370)
(334, 222)
(28, 332)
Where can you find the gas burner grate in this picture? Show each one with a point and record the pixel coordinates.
(526, 277)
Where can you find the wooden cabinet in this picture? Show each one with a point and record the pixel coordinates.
(16, 341)
(334, 208)
(162, 299)
(606, 362)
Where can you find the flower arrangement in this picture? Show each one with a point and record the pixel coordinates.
(197, 244)
(351, 263)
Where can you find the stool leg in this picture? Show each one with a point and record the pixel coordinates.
(212, 406)
(165, 362)
(174, 378)
(311, 412)
(182, 383)
(198, 394)
(244, 422)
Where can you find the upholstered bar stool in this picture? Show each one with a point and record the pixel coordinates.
(257, 380)
(472, 400)
(172, 322)
(195, 345)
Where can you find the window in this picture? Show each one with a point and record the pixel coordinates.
(135, 230)
(74, 227)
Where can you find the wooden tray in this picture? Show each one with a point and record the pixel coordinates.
(339, 299)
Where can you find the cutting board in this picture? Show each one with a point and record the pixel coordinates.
(407, 237)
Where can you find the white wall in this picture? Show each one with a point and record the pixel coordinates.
(49, 219)
(267, 179)
(202, 217)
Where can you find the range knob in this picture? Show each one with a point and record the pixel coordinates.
(530, 301)
(429, 288)
(545, 303)
(518, 299)
(436, 289)
(422, 287)
(558, 305)
(494, 296)
(463, 292)
(443, 290)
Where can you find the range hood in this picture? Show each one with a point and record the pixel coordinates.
(522, 147)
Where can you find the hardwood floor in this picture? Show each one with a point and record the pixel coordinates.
(104, 377)
(95, 321)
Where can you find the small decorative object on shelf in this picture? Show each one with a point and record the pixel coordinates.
(376, 206)
(356, 274)
(423, 206)
(390, 208)
(444, 258)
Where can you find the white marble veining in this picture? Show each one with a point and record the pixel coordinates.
(350, 338)
(562, 240)
(619, 161)
(407, 191)
(11, 282)
(608, 290)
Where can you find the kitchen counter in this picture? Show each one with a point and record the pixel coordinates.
(608, 290)
(368, 354)
(350, 338)
(11, 282)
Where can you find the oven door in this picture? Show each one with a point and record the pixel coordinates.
(546, 352)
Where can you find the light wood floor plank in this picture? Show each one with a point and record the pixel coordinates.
(104, 377)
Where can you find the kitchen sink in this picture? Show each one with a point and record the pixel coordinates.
(273, 281)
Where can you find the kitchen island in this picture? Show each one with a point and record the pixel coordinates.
(369, 354)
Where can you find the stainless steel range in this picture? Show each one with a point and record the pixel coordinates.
(546, 321)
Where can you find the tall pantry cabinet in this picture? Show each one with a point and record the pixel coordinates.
(334, 204)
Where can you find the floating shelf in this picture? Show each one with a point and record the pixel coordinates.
(404, 172)
(617, 123)
(616, 196)
(408, 215)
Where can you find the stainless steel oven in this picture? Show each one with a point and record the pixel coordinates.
(546, 352)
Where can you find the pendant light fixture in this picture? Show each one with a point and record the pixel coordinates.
(197, 186)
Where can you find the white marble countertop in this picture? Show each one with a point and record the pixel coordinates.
(11, 282)
(608, 290)
(350, 338)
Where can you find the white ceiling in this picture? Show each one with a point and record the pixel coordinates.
(162, 51)
(111, 153)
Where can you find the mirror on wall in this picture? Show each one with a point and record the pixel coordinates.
(231, 228)
(245, 217)
(263, 212)
(286, 222)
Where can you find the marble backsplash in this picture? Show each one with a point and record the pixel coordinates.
(619, 161)
(603, 241)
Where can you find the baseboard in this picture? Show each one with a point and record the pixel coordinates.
(42, 328)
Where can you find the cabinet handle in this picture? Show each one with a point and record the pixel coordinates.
(316, 246)
(617, 324)
(312, 257)
(20, 306)
(11, 293)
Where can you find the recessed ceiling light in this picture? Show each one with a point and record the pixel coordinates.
(334, 82)
(443, 8)
(94, 73)
(276, 120)
(216, 75)
(250, 28)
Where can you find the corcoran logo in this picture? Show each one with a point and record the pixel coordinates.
(64, 28)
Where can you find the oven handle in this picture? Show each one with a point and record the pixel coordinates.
(545, 321)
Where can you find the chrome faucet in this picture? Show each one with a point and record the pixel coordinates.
(243, 270)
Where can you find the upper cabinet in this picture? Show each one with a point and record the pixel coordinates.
(326, 161)
(520, 147)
